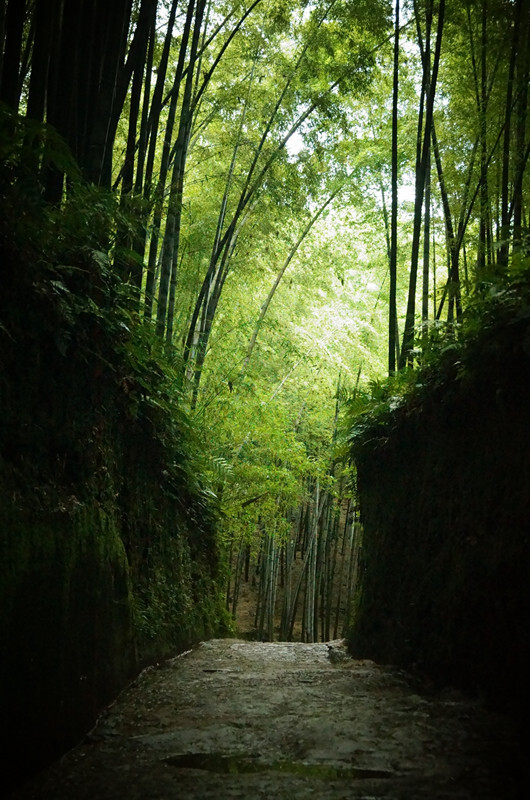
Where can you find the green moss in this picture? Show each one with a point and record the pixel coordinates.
(66, 626)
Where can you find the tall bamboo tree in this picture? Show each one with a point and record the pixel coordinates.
(424, 137)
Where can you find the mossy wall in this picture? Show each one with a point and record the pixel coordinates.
(108, 554)
(444, 485)
(66, 628)
(100, 574)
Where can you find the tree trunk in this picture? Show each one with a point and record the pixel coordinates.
(10, 86)
(344, 551)
(430, 84)
(177, 182)
(111, 29)
(521, 153)
(392, 309)
(308, 550)
(160, 189)
(426, 255)
(144, 122)
(483, 259)
(504, 233)
(3, 10)
(46, 13)
(129, 262)
(152, 129)
(353, 571)
(213, 296)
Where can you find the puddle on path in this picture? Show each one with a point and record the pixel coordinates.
(244, 764)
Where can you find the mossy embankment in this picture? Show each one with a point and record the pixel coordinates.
(108, 552)
(444, 487)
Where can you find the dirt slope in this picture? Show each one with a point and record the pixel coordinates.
(236, 719)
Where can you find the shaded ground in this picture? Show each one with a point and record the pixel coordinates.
(236, 719)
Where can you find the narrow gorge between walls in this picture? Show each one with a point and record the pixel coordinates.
(424, 699)
(264, 392)
(91, 593)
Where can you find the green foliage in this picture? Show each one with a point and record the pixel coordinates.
(452, 353)
(369, 410)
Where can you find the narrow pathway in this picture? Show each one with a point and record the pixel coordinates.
(235, 719)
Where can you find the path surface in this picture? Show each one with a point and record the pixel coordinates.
(284, 721)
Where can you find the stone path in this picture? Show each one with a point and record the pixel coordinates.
(282, 721)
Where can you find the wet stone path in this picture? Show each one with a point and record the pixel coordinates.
(288, 721)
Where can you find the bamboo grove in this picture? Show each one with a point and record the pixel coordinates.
(303, 194)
